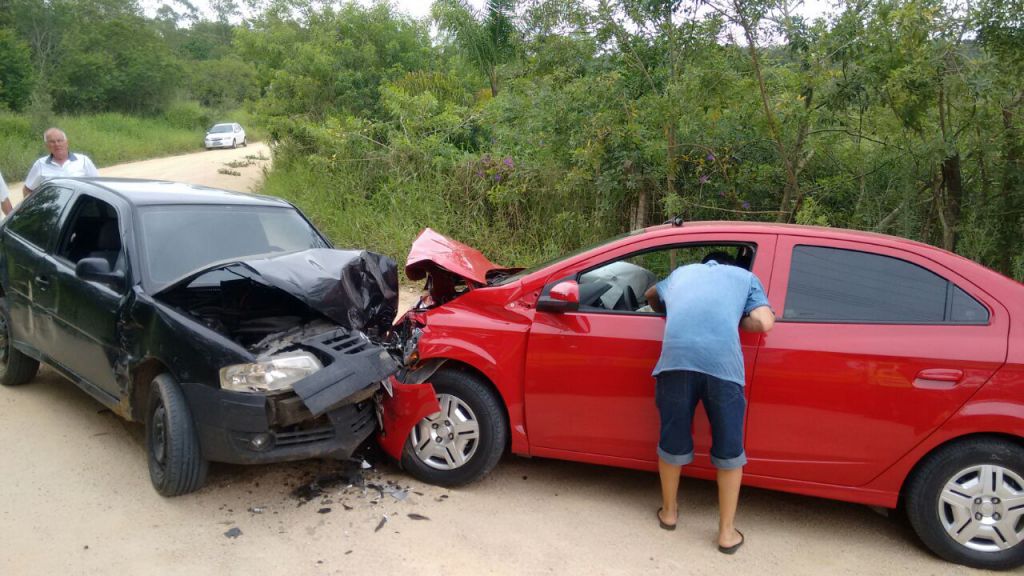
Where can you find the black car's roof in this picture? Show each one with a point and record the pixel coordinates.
(159, 192)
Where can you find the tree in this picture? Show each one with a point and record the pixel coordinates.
(487, 39)
(16, 75)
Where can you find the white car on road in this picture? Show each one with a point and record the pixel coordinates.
(227, 135)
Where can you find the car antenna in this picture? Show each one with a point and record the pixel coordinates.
(676, 221)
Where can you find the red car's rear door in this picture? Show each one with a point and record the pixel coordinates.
(588, 385)
(876, 347)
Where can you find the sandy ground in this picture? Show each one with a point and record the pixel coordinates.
(75, 498)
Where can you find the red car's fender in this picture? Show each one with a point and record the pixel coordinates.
(995, 409)
(408, 404)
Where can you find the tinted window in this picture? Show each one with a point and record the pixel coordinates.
(834, 285)
(36, 220)
(220, 128)
(181, 239)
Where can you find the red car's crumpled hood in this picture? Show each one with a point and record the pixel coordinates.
(434, 251)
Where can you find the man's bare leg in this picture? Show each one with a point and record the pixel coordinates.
(729, 482)
(669, 492)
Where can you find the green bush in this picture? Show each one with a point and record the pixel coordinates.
(188, 115)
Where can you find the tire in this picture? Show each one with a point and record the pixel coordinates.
(15, 368)
(176, 464)
(245, 143)
(966, 503)
(234, 144)
(464, 441)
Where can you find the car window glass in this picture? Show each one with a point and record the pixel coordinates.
(36, 220)
(93, 232)
(837, 285)
(620, 285)
(966, 309)
(181, 239)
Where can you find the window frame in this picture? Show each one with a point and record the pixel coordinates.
(664, 247)
(52, 239)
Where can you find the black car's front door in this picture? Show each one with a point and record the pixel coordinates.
(89, 312)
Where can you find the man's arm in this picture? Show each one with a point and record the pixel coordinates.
(6, 206)
(760, 319)
(32, 178)
(90, 168)
(652, 298)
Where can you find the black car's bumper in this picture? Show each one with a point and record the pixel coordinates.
(253, 428)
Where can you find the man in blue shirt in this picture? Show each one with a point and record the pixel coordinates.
(701, 361)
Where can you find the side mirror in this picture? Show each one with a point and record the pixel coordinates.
(98, 270)
(563, 297)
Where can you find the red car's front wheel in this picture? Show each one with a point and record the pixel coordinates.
(465, 440)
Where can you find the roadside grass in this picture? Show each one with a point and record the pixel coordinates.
(108, 138)
(388, 220)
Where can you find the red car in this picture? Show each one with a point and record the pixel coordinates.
(894, 375)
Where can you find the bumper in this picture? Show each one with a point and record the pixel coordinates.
(401, 411)
(247, 428)
(217, 144)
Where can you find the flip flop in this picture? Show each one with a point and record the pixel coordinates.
(664, 525)
(732, 549)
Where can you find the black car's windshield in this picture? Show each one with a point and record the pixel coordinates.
(177, 240)
(221, 128)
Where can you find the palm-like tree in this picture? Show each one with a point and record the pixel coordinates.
(488, 37)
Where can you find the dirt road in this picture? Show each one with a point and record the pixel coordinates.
(75, 498)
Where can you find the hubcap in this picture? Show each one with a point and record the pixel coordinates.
(4, 345)
(982, 508)
(448, 439)
(159, 435)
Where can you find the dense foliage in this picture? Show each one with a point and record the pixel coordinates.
(533, 127)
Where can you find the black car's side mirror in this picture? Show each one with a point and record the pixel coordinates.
(563, 297)
(98, 270)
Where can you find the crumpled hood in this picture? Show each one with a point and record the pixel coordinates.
(355, 288)
(431, 250)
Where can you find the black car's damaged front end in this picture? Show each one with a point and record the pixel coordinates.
(292, 352)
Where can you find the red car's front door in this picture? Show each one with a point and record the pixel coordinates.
(588, 385)
(876, 347)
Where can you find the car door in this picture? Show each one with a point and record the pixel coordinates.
(29, 236)
(589, 392)
(89, 311)
(873, 349)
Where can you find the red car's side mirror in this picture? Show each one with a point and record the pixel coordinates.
(563, 297)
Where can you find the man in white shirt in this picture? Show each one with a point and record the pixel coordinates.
(58, 163)
(5, 202)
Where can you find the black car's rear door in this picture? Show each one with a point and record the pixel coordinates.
(29, 267)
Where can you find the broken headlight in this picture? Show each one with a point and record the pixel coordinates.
(274, 374)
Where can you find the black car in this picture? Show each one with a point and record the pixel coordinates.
(225, 321)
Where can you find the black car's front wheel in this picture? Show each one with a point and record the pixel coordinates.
(966, 503)
(176, 464)
(15, 367)
(462, 442)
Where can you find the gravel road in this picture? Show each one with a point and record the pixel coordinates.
(76, 499)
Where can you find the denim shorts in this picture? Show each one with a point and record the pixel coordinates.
(677, 394)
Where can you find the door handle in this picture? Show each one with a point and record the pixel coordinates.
(938, 378)
(43, 282)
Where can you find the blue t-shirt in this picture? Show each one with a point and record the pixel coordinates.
(704, 304)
